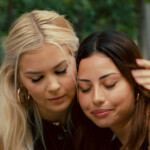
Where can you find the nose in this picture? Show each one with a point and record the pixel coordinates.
(98, 95)
(53, 84)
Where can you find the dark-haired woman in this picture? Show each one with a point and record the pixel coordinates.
(116, 107)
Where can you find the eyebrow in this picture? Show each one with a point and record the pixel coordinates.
(59, 64)
(100, 78)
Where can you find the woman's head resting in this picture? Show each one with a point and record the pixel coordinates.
(107, 92)
(38, 42)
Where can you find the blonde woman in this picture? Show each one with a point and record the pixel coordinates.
(37, 83)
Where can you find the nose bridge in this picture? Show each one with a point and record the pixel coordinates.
(98, 94)
(53, 83)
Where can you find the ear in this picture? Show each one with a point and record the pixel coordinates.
(19, 82)
(20, 85)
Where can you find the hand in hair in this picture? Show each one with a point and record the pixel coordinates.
(142, 76)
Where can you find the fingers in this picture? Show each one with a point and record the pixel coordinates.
(142, 76)
(143, 81)
(146, 87)
(143, 63)
(141, 73)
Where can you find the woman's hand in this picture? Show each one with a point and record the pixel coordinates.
(142, 76)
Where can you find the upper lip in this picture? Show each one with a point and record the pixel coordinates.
(56, 97)
(96, 111)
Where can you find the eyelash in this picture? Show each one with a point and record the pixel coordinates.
(57, 72)
(37, 80)
(61, 72)
(110, 86)
(84, 91)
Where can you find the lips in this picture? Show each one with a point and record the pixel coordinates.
(59, 98)
(101, 112)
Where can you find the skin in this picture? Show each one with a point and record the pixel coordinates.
(49, 80)
(105, 96)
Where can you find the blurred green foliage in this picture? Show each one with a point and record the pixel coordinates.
(86, 16)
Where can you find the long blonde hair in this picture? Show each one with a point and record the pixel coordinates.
(28, 33)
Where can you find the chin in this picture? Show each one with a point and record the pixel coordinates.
(63, 107)
(103, 125)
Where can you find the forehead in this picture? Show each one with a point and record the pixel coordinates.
(48, 54)
(97, 63)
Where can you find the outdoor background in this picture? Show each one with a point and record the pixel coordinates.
(87, 16)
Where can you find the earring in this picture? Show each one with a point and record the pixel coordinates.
(23, 95)
(138, 96)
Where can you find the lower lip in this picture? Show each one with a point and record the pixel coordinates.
(101, 114)
(57, 100)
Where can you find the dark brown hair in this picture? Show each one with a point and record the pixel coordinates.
(123, 52)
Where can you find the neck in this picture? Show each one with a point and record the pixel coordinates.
(122, 131)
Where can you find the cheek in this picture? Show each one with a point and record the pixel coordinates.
(69, 83)
(74, 71)
(72, 66)
(35, 90)
(70, 79)
(85, 105)
(123, 96)
(83, 101)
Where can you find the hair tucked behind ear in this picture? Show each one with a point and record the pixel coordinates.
(28, 33)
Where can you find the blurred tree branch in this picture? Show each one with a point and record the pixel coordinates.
(140, 21)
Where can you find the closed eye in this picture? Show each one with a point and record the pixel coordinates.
(61, 72)
(37, 80)
(111, 85)
(83, 90)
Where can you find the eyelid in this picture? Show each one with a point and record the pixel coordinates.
(61, 72)
(111, 85)
(37, 79)
(84, 90)
(63, 63)
(62, 66)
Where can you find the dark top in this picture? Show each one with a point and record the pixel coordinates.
(55, 137)
(116, 144)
